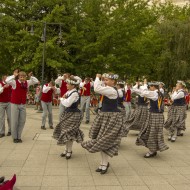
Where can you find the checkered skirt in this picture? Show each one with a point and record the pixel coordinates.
(151, 134)
(176, 118)
(136, 119)
(105, 133)
(68, 128)
(122, 111)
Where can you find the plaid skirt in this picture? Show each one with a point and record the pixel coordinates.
(176, 118)
(105, 133)
(151, 134)
(136, 120)
(122, 111)
(68, 128)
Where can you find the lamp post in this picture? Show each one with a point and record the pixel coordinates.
(44, 48)
(43, 38)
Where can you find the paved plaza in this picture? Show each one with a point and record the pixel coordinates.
(38, 165)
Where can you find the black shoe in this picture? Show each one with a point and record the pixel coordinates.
(68, 156)
(149, 155)
(181, 134)
(105, 171)
(173, 139)
(9, 134)
(2, 179)
(2, 135)
(87, 121)
(51, 127)
(98, 170)
(19, 141)
(15, 140)
(63, 154)
(43, 128)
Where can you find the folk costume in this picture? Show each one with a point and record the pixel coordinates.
(46, 101)
(5, 106)
(18, 105)
(138, 117)
(176, 114)
(85, 98)
(127, 100)
(161, 89)
(61, 81)
(121, 96)
(101, 96)
(107, 128)
(68, 131)
(151, 134)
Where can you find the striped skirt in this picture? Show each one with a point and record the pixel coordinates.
(136, 120)
(151, 134)
(176, 118)
(105, 133)
(68, 128)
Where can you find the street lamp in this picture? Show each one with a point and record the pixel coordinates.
(43, 38)
(44, 47)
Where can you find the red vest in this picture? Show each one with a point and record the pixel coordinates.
(87, 91)
(19, 94)
(63, 88)
(5, 96)
(47, 97)
(128, 96)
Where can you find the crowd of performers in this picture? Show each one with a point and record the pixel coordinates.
(113, 120)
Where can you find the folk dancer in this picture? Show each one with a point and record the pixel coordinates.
(101, 96)
(121, 93)
(85, 97)
(176, 119)
(18, 102)
(151, 134)
(5, 106)
(139, 115)
(107, 128)
(46, 100)
(127, 100)
(61, 81)
(68, 131)
(161, 87)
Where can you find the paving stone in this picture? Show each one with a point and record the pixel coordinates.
(55, 181)
(78, 181)
(29, 181)
(135, 188)
(131, 180)
(176, 179)
(105, 180)
(38, 165)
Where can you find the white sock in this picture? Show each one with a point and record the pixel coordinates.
(105, 158)
(65, 151)
(69, 147)
(66, 147)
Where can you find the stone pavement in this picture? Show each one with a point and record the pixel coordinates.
(39, 167)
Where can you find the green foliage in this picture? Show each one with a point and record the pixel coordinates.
(130, 38)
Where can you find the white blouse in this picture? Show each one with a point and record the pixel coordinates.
(107, 91)
(67, 102)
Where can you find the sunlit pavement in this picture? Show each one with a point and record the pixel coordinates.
(38, 165)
